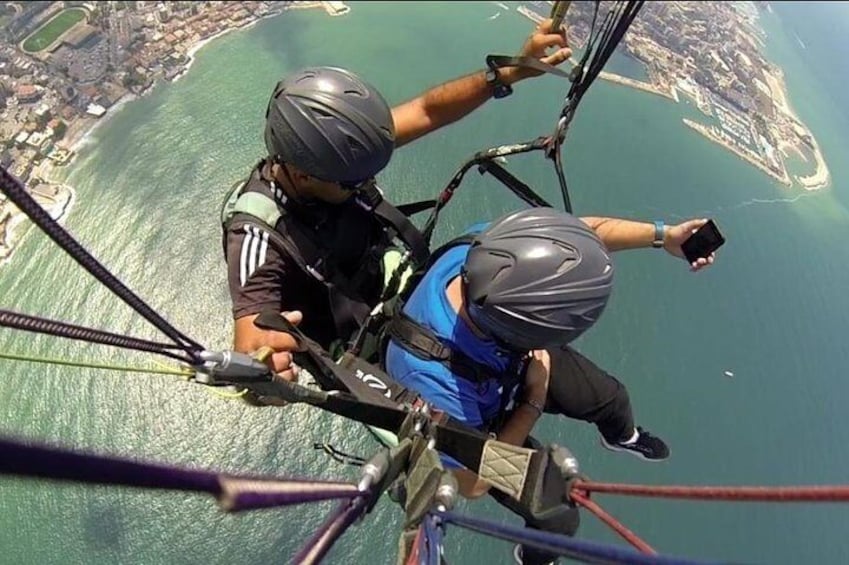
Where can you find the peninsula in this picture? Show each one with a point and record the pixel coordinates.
(712, 53)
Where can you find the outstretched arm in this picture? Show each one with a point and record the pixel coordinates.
(618, 234)
(448, 102)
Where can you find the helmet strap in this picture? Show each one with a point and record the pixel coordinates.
(293, 189)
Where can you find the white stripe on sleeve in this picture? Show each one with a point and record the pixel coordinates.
(243, 256)
(253, 253)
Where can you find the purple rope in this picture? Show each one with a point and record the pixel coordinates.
(249, 494)
(14, 189)
(332, 529)
(585, 551)
(27, 323)
(234, 493)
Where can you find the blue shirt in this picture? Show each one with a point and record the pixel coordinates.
(472, 403)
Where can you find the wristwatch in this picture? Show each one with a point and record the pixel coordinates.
(535, 405)
(658, 234)
(499, 89)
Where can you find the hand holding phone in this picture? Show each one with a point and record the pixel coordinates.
(701, 244)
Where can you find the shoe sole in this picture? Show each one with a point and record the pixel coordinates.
(636, 454)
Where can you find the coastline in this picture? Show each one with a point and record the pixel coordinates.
(14, 225)
(18, 227)
(193, 50)
(821, 177)
(85, 134)
(81, 136)
(671, 94)
(786, 136)
(717, 138)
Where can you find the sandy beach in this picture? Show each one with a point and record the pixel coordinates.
(190, 54)
(18, 226)
(821, 177)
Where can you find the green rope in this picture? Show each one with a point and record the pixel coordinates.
(165, 370)
(122, 368)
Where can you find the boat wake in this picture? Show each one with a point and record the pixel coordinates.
(745, 204)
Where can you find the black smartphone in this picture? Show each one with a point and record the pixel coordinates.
(705, 241)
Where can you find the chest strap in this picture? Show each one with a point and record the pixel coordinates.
(424, 344)
(372, 199)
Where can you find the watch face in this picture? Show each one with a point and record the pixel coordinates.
(491, 76)
(502, 90)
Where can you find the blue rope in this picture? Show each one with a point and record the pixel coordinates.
(432, 546)
(581, 550)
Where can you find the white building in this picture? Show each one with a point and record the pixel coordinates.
(95, 110)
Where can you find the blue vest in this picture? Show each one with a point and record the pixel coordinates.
(474, 403)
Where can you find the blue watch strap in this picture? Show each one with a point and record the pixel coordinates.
(658, 233)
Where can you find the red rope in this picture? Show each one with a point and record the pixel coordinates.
(614, 524)
(825, 493)
(413, 558)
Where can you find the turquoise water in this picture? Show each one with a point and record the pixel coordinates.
(772, 309)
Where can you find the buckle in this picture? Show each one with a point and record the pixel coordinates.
(368, 194)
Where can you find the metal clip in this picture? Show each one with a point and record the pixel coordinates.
(373, 470)
(446, 492)
(422, 414)
(232, 366)
(565, 461)
(576, 73)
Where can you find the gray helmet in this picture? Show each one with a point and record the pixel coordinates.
(536, 278)
(331, 124)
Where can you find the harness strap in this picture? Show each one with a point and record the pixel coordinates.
(519, 188)
(424, 344)
(498, 61)
(371, 197)
(416, 277)
(351, 374)
(413, 208)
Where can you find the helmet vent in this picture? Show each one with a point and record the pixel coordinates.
(355, 143)
(321, 113)
(331, 124)
(567, 265)
(504, 270)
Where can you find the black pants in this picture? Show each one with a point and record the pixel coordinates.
(577, 389)
(581, 390)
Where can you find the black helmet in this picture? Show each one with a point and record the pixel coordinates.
(331, 124)
(536, 278)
